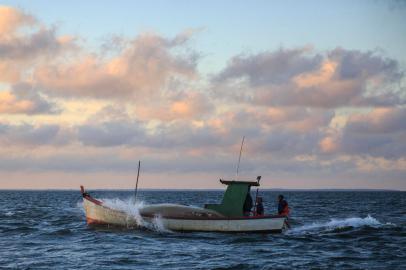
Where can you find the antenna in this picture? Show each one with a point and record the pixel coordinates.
(136, 185)
(239, 158)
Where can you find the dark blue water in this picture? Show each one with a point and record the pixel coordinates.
(337, 230)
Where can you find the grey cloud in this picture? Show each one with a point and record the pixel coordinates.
(111, 161)
(133, 133)
(269, 67)
(113, 44)
(355, 64)
(390, 146)
(114, 133)
(30, 135)
(305, 173)
(287, 133)
(181, 134)
(392, 121)
(290, 143)
(41, 43)
(118, 129)
(221, 163)
(378, 133)
(383, 100)
(66, 163)
(40, 105)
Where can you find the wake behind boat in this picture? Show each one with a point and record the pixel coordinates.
(228, 216)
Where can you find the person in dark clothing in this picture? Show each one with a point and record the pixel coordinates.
(283, 207)
(247, 204)
(259, 210)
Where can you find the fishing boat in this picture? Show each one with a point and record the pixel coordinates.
(225, 217)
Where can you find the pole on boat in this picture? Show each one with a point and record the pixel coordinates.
(256, 195)
(239, 158)
(136, 185)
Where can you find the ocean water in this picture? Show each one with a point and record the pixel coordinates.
(337, 230)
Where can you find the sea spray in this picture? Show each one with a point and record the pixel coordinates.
(132, 209)
(79, 207)
(157, 224)
(333, 224)
(128, 206)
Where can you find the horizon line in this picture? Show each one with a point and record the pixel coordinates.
(200, 189)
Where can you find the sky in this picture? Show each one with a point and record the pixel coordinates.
(317, 88)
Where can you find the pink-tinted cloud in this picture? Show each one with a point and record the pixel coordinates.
(192, 105)
(11, 19)
(23, 99)
(10, 104)
(339, 78)
(23, 42)
(143, 69)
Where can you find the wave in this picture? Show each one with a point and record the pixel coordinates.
(334, 224)
(11, 213)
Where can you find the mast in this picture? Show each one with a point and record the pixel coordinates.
(239, 158)
(136, 185)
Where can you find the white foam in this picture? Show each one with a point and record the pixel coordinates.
(9, 214)
(157, 225)
(79, 206)
(132, 209)
(333, 224)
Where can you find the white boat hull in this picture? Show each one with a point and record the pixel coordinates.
(97, 213)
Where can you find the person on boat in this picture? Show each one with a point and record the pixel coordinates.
(259, 210)
(247, 205)
(283, 207)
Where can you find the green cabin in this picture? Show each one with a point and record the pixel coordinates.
(234, 197)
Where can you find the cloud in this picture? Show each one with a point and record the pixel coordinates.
(313, 170)
(24, 99)
(11, 19)
(143, 69)
(191, 105)
(10, 104)
(133, 133)
(113, 133)
(148, 70)
(110, 160)
(39, 43)
(24, 42)
(283, 132)
(378, 133)
(379, 120)
(30, 135)
(328, 144)
(338, 78)
(267, 68)
(266, 120)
